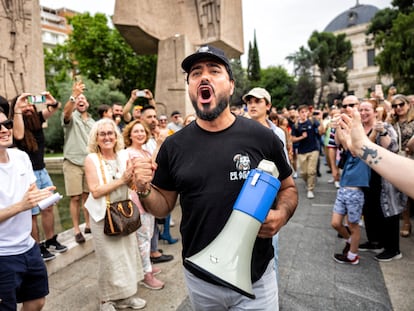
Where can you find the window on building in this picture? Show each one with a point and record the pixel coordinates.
(350, 63)
(371, 57)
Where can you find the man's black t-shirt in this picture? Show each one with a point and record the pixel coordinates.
(208, 170)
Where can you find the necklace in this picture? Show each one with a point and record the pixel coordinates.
(112, 167)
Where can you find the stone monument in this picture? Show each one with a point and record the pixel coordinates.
(173, 29)
(21, 56)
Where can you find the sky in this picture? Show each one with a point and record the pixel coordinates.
(282, 26)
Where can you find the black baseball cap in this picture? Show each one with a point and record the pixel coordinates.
(207, 51)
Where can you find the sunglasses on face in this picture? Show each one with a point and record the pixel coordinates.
(398, 105)
(348, 105)
(8, 124)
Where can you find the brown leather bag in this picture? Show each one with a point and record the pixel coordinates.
(121, 218)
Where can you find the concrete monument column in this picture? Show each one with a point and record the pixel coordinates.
(21, 55)
(173, 29)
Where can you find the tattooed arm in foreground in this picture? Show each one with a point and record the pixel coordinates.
(396, 169)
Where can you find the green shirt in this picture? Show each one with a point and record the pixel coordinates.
(76, 133)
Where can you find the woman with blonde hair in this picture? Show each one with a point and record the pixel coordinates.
(108, 173)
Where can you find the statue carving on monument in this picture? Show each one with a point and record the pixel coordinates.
(21, 58)
(208, 18)
(174, 29)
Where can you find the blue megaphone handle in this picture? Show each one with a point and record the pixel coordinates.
(257, 194)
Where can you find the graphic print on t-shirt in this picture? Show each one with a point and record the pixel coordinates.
(242, 164)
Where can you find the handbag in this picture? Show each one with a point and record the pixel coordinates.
(121, 217)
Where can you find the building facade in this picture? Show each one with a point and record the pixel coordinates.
(363, 72)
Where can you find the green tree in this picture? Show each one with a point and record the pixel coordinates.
(242, 84)
(304, 91)
(302, 62)
(98, 52)
(280, 85)
(253, 61)
(330, 53)
(305, 88)
(393, 31)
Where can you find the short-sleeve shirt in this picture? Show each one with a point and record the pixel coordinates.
(16, 176)
(76, 138)
(310, 143)
(208, 170)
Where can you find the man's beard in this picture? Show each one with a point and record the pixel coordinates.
(211, 115)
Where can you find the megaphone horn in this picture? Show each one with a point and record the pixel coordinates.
(227, 259)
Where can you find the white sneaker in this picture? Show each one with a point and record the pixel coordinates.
(295, 175)
(131, 302)
(310, 195)
(337, 185)
(330, 181)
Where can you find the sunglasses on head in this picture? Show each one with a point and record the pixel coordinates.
(349, 105)
(8, 124)
(398, 105)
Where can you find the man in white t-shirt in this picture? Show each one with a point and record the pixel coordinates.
(22, 271)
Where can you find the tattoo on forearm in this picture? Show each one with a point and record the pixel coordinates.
(372, 153)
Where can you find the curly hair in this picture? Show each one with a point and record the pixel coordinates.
(93, 146)
(128, 129)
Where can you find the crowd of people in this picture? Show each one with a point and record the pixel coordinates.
(134, 152)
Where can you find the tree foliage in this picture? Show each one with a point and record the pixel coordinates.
(330, 53)
(98, 52)
(302, 62)
(393, 33)
(280, 85)
(253, 62)
(242, 84)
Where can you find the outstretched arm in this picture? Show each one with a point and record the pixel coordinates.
(396, 169)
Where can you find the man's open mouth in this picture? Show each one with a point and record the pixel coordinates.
(205, 93)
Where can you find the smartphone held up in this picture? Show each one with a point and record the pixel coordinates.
(36, 99)
(140, 93)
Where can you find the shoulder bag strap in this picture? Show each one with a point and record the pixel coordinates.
(103, 177)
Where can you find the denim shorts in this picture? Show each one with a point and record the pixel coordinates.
(349, 202)
(23, 278)
(42, 181)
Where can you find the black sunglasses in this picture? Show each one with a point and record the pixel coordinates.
(349, 105)
(8, 124)
(398, 105)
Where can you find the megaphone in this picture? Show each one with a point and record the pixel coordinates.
(227, 259)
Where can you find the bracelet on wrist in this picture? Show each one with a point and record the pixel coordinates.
(54, 105)
(144, 194)
(385, 133)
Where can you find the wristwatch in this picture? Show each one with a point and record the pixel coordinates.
(72, 99)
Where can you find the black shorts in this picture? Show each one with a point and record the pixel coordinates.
(22, 278)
